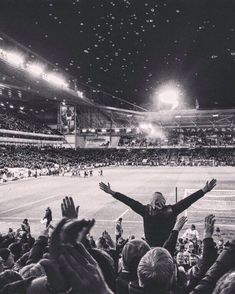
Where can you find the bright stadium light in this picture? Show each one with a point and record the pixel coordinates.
(14, 58)
(56, 80)
(80, 94)
(169, 96)
(35, 69)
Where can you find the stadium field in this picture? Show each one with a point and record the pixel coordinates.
(29, 198)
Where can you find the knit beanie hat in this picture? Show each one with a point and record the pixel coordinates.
(4, 253)
(132, 253)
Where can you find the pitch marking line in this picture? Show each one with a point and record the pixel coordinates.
(121, 215)
(29, 204)
(2, 219)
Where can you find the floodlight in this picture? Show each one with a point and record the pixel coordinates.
(169, 96)
(80, 94)
(35, 69)
(14, 58)
(55, 80)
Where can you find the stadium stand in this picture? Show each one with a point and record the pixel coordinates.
(11, 119)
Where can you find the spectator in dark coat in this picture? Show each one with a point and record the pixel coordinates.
(48, 216)
(159, 218)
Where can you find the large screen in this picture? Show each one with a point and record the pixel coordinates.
(67, 119)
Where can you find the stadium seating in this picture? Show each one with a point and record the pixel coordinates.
(11, 119)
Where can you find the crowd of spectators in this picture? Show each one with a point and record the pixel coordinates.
(17, 120)
(67, 259)
(191, 137)
(48, 157)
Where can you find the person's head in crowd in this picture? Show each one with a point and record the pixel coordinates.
(132, 253)
(217, 230)
(226, 284)
(120, 220)
(25, 221)
(9, 276)
(190, 247)
(157, 201)
(32, 270)
(102, 244)
(156, 270)
(220, 243)
(186, 257)
(193, 227)
(131, 237)
(193, 260)
(180, 258)
(7, 257)
(16, 249)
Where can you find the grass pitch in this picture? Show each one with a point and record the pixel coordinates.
(29, 198)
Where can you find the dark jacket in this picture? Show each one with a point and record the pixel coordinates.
(122, 282)
(208, 258)
(222, 265)
(135, 289)
(157, 227)
(48, 215)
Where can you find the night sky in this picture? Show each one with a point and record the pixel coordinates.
(131, 47)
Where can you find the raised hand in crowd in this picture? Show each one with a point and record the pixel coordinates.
(82, 272)
(106, 188)
(180, 223)
(209, 226)
(209, 186)
(71, 267)
(68, 208)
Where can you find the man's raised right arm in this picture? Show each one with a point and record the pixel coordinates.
(133, 204)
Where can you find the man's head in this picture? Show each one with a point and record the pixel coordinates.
(120, 220)
(156, 269)
(190, 247)
(180, 258)
(158, 200)
(132, 253)
(221, 243)
(193, 227)
(193, 260)
(226, 284)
